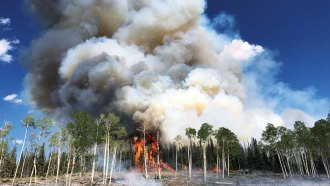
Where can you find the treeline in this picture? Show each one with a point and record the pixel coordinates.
(101, 145)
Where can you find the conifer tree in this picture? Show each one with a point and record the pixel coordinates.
(10, 164)
(41, 161)
(3, 141)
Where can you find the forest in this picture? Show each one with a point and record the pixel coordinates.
(101, 146)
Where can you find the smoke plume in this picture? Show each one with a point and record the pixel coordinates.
(157, 62)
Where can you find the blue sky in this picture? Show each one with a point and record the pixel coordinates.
(297, 32)
(23, 28)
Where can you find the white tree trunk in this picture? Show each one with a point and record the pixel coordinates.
(301, 163)
(204, 161)
(104, 160)
(188, 170)
(94, 159)
(228, 162)
(49, 162)
(35, 161)
(223, 159)
(217, 166)
(144, 152)
(325, 165)
(24, 159)
(288, 164)
(33, 169)
(81, 166)
(279, 159)
(120, 164)
(58, 163)
(189, 158)
(73, 163)
(306, 162)
(2, 151)
(20, 156)
(107, 158)
(67, 169)
(158, 162)
(312, 165)
(176, 160)
(113, 162)
(35, 174)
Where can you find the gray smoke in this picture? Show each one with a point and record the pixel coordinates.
(157, 62)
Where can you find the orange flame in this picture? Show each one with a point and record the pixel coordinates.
(184, 167)
(138, 149)
(216, 169)
(150, 154)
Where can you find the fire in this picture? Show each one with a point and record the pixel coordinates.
(166, 166)
(138, 148)
(216, 169)
(184, 167)
(149, 147)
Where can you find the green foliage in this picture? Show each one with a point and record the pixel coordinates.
(4, 132)
(8, 168)
(321, 135)
(44, 124)
(204, 133)
(4, 142)
(191, 133)
(54, 139)
(83, 131)
(114, 128)
(228, 140)
(302, 134)
(269, 135)
(286, 138)
(41, 161)
(29, 121)
(177, 140)
(80, 129)
(99, 131)
(254, 158)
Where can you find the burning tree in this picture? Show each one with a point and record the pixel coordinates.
(150, 148)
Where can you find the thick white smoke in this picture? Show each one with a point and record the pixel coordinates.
(157, 62)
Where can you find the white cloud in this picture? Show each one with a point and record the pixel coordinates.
(13, 98)
(5, 47)
(4, 21)
(10, 97)
(18, 141)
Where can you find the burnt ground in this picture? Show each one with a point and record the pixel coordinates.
(169, 179)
